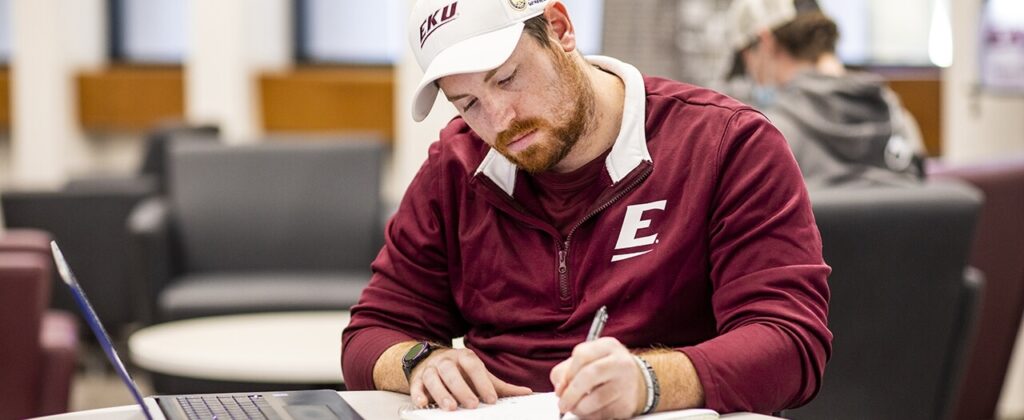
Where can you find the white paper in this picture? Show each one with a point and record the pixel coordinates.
(536, 406)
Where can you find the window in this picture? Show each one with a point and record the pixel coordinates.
(148, 31)
(350, 31)
(6, 31)
(363, 32)
(588, 18)
(902, 33)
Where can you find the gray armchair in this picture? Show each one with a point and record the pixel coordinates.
(267, 227)
(901, 307)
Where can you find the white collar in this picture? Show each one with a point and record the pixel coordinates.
(629, 149)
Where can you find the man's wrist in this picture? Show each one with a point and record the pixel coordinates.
(387, 371)
(678, 384)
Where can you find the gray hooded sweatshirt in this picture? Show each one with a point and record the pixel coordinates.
(848, 131)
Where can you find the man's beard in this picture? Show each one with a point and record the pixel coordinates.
(557, 140)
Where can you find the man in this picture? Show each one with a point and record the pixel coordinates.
(846, 129)
(567, 184)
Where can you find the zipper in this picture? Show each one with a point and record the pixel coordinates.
(563, 250)
(563, 273)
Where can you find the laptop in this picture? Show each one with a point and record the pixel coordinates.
(298, 405)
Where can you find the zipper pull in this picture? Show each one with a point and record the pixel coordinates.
(563, 273)
(561, 262)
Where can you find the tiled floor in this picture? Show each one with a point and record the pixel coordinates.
(96, 385)
(99, 390)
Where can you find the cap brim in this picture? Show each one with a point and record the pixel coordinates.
(480, 53)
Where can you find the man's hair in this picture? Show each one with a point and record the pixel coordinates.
(808, 36)
(537, 27)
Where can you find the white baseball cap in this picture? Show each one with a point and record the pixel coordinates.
(747, 18)
(463, 36)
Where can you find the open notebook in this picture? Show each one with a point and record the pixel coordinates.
(537, 406)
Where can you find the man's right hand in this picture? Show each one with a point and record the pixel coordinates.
(457, 377)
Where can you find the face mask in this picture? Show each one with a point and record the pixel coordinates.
(763, 96)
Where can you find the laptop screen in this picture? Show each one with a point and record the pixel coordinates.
(97, 328)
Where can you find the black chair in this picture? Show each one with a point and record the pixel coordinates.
(901, 307)
(91, 228)
(89, 216)
(266, 227)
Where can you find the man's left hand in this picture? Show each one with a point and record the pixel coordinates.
(601, 380)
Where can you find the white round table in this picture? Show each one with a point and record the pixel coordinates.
(279, 347)
(371, 405)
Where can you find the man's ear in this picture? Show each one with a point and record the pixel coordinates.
(766, 40)
(561, 28)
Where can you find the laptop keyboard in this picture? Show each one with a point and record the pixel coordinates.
(223, 407)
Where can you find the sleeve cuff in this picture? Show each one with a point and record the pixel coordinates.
(706, 376)
(359, 355)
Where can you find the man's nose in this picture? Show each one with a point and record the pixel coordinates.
(502, 113)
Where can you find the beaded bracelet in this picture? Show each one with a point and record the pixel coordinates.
(653, 390)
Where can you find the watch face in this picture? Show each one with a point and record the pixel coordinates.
(414, 356)
(415, 351)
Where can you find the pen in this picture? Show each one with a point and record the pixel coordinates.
(600, 318)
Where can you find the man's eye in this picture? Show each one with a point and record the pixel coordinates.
(505, 81)
(469, 105)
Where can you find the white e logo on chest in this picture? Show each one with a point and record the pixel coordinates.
(631, 224)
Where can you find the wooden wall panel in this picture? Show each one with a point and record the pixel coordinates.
(329, 100)
(130, 98)
(920, 89)
(923, 98)
(5, 99)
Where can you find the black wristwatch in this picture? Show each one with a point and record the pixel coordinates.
(415, 355)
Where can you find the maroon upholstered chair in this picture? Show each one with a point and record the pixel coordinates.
(38, 346)
(998, 251)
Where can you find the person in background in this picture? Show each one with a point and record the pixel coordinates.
(845, 128)
(571, 183)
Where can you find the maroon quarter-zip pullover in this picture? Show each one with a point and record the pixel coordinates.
(705, 242)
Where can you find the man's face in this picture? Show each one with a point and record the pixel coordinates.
(532, 109)
(752, 62)
(759, 62)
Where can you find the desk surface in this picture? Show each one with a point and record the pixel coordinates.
(372, 405)
(282, 347)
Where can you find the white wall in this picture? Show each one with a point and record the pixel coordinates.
(977, 125)
(230, 43)
(52, 41)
